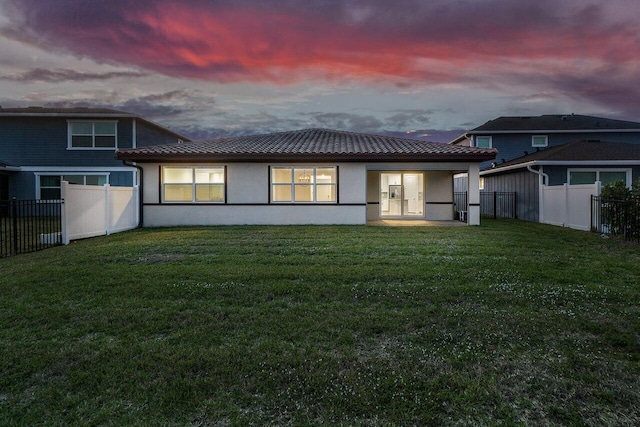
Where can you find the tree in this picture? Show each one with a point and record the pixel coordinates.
(621, 209)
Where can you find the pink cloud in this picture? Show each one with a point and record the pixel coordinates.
(286, 41)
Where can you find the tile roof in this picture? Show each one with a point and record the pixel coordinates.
(307, 145)
(558, 122)
(580, 151)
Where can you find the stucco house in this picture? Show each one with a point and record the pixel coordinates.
(310, 176)
(552, 150)
(40, 147)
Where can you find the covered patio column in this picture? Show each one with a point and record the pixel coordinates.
(473, 188)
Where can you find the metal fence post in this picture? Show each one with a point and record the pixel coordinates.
(14, 214)
(495, 204)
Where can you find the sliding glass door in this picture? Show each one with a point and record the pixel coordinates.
(402, 194)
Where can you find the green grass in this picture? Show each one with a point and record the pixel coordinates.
(507, 323)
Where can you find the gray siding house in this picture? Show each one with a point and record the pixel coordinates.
(553, 150)
(39, 147)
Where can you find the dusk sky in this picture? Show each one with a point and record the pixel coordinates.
(424, 69)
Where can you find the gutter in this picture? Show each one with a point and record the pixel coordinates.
(544, 179)
(551, 131)
(140, 192)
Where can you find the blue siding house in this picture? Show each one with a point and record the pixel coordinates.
(40, 147)
(553, 150)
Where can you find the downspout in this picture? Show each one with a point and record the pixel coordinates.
(140, 204)
(544, 179)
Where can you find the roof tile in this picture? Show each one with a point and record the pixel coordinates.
(306, 143)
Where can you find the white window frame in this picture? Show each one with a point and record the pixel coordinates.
(93, 135)
(61, 175)
(313, 182)
(484, 136)
(627, 171)
(193, 184)
(533, 140)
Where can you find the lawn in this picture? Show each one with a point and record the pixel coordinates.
(505, 323)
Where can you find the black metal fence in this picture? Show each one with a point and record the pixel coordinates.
(498, 204)
(616, 217)
(29, 226)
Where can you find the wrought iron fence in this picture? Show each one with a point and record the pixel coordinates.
(498, 204)
(616, 217)
(29, 226)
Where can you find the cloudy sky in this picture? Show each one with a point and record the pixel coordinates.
(427, 69)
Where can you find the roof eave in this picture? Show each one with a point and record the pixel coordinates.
(261, 158)
(542, 131)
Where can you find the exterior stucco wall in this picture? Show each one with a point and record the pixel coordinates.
(439, 196)
(248, 189)
(247, 199)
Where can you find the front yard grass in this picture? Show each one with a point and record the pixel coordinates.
(506, 323)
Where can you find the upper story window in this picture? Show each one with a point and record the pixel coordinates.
(100, 135)
(483, 142)
(539, 141)
(200, 184)
(304, 184)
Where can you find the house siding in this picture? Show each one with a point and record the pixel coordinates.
(39, 144)
(46, 139)
(511, 146)
(147, 135)
(526, 186)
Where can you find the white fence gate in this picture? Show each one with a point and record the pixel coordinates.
(90, 210)
(568, 205)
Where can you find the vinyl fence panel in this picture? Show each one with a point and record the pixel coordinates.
(568, 205)
(90, 210)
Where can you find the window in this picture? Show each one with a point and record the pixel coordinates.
(92, 135)
(577, 177)
(201, 184)
(304, 184)
(483, 142)
(539, 141)
(481, 183)
(49, 185)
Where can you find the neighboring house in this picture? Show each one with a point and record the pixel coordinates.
(312, 176)
(552, 150)
(39, 147)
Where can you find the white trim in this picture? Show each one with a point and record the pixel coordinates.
(627, 171)
(546, 141)
(563, 163)
(508, 168)
(134, 136)
(589, 162)
(490, 132)
(76, 169)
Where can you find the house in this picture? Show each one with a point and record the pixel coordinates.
(552, 150)
(310, 176)
(41, 146)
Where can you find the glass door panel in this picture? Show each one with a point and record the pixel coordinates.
(413, 200)
(401, 195)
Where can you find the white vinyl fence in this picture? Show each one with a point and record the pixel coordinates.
(90, 210)
(568, 205)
